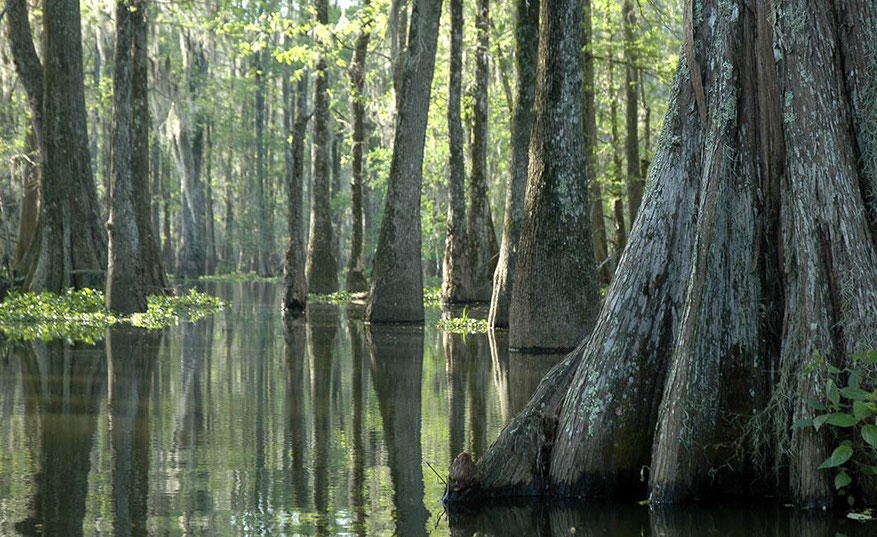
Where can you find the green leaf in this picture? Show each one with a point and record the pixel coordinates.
(832, 393)
(840, 455)
(861, 410)
(869, 433)
(854, 394)
(833, 370)
(842, 479)
(814, 404)
(839, 419)
(801, 424)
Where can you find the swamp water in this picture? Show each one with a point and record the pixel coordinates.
(236, 426)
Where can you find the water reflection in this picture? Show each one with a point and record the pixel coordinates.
(63, 386)
(242, 425)
(396, 356)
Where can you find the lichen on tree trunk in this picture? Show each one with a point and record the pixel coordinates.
(752, 250)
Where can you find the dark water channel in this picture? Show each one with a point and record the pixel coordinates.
(235, 426)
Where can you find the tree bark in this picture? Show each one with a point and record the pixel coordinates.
(456, 275)
(556, 295)
(635, 181)
(321, 269)
(263, 245)
(125, 291)
(396, 293)
(479, 227)
(152, 274)
(356, 279)
(70, 242)
(595, 190)
(752, 251)
(526, 59)
(295, 287)
(186, 122)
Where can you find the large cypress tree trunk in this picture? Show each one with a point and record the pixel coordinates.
(396, 293)
(125, 290)
(356, 279)
(295, 287)
(526, 52)
(479, 227)
(322, 266)
(556, 296)
(456, 276)
(752, 251)
(71, 240)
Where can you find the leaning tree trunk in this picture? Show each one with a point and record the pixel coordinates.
(526, 51)
(456, 277)
(396, 293)
(556, 296)
(356, 279)
(479, 228)
(322, 267)
(295, 287)
(753, 250)
(125, 290)
(70, 242)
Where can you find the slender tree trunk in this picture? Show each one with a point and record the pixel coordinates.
(478, 225)
(263, 244)
(210, 237)
(595, 190)
(125, 291)
(356, 279)
(752, 251)
(295, 289)
(556, 295)
(321, 269)
(152, 274)
(30, 203)
(456, 276)
(396, 293)
(526, 58)
(71, 241)
(635, 181)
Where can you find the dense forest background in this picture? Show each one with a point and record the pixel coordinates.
(233, 70)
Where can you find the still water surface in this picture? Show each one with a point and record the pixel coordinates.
(237, 425)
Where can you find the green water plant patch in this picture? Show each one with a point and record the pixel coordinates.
(81, 315)
(463, 324)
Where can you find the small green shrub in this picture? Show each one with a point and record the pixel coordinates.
(432, 297)
(338, 297)
(849, 413)
(463, 324)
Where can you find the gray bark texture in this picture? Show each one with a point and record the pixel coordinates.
(456, 276)
(396, 293)
(321, 269)
(356, 278)
(479, 227)
(556, 296)
(125, 292)
(295, 286)
(526, 59)
(753, 250)
(70, 244)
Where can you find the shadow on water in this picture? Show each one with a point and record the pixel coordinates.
(242, 425)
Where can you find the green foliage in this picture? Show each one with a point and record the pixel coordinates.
(432, 297)
(338, 297)
(238, 277)
(463, 324)
(81, 315)
(848, 409)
